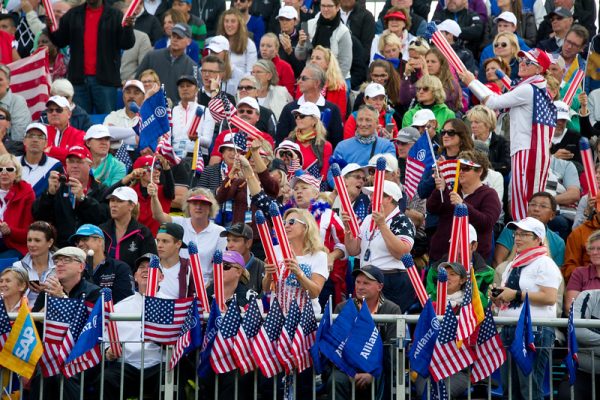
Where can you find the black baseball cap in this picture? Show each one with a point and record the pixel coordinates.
(187, 78)
(174, 230)
(239, 230)
(141, 259)
(371, 272)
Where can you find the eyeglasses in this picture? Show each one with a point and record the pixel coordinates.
(573, 44)
(40, 136)
(523, 234)
(7, 169)
(467, 168)
(448, 132)
(305, 78)
(501, 44)
(292, 222)
(149, 82)
(64, 260)
(246, 88)
(593, 249)
(245, 111)
(3, 117)
(423, 89)
(300, 116)
(57, 110)
(539, 205)
(327, 5)
(358, 177)
(527, 61)
(209, 71)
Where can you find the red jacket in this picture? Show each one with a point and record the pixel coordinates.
(145, 216)
(309, 157)
(18, 215)
(285, 73)
(6, 47)
(70, 137)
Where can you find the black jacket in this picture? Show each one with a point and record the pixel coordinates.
(362, 25)
(209, 11)
(84, 290)
(585, 13)
(112, 38)
(297, 65)
(287, 124)
(136, 242)
(58, 210)
(500, 154)
(470, 23)
(116, 276)
(150, 25)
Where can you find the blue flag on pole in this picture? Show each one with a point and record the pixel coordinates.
(523, 347)
(418, 164)
(155, 121)
(426, 334)
(334, 341)
(324, 326)
(364, 347)
(212, 328)
(571, 360)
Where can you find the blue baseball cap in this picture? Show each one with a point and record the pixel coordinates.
(86, 230)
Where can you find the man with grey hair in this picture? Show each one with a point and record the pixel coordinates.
(311, 83)
(16, 106)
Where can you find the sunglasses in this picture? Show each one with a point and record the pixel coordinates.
(423, 89)
(245, 111)
(527, 61)
(449, 132)
(156, 168)
(246, 88)
(293, 221)
(7, 169)
(57, 110)
(2, 117)
(501, 44)
(300, 116)
(227, 266)
(416, 42)
(467, 168)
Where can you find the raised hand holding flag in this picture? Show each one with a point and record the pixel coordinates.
(378, 182)
(153, 272)
(571, 361)
(442, 44)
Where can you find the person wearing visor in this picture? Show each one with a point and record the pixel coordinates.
(235, 280)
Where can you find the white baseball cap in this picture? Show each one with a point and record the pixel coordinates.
(218, 44)
(374, 89)
(563, 110)
(124, 193)
(351, 168)
(135, 83)
(529, 224)
(422, 117)
(450, 26)
(391, 162)
(390, 188)
(287, 12)
(249, 101)
(39, 126)
(59, 101)
(508, 17)
(228, 142)
(472, 234)
(308, 108)
(97, 132)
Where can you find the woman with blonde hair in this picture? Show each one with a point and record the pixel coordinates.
(396, 21)
(14, 282)
(483, 124)
(431, 95)
(270, 94)
(437, 65)
(308, 269)
(506, 47)
(243, 50)
(335, 84)
(269, 50)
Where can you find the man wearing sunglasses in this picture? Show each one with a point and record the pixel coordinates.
(61, 135)
(561, 21)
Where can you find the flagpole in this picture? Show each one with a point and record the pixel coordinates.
(103, 316)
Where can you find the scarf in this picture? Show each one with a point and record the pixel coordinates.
(366, 140)
(305, 136)
(456, 298)
(325, 28)
(522, 259)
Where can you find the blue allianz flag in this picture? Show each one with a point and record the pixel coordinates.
(522, 347)
(418, 164)
(155, 121)
(90, 334)
(426, 334)
(212, 328)
(324, 326)
(194, 320)
(334, 341)
(571, 361)
(364, 347)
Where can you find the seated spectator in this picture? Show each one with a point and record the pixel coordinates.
(105, 271)
(392, 238)
(35, 163)
(218, 46)
(73, 198)
(431, 95)
(575, 42)
(383, 72)
(451, 31)
(288, 37)
(397, 22)
(15, 105)
(490, 66)
(249, 87)
(239, 239)
(170, 18)
(176, 269)
(437, 65)
(506, 48)
(212, 74)
(105, 167)
(565, 142)
(199, 210)
(13, 286)
(269, 50)
(125, 238)
(532, 273)
(16, 200)
(563, 183)
(483, 123)
(482, 202)
(512, 19)
(560, 21)
(406, 138)
(414, 70)
(471, 23)
(243, 50)
(369, 283)
(80, 119)
(235, 280)
(38, 263)
(61, 135)
(361, 23)
(585, 277)
(269, 93)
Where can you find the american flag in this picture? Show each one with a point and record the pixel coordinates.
(309, 177)
(4, 325)
(447, 170)
(61, 314)
(264, 344)
(418, 162)
(221, 358)
(448, 358)
(163, 318)
(113, 333)
(438, 390)
(459, 237)
(284, 346)
(123, 156)
(293, 167)
(220, 107)
(304, 338)
(192, 320)
(242, 350)
(153, 272)
(240, 139)
(489, 351)
(197, 159)
(467, 320)
(30, 78)
(218, 279)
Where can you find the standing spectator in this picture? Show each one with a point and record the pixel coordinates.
(288, 37)
(133, 57)
(269, 93)
(209, 11)
(94, 33)
(470, 22)
(196, 24)
(254, 24)
(15, 105)
(218, 46)
(359, 21)
(268, 10)
(170, 18)
(269, 50)
(57, 62)
(61, 135)
(243, 50)
(506, 48)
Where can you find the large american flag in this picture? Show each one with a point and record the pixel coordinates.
(183, 341)
(242, 349)
(447, 357)
(265, 342)
(221, 358)
(61, 314)
(4, 325)
(163, 318)
(459, 237)
(489, 351)
(30, 78)
(284, 346)
(467, 320)
(304, 338)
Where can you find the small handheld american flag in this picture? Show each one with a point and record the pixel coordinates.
(218, 279)
(153, 272)
(378, 183)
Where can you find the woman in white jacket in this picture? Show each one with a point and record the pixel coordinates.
(242, 49)
(326, 29)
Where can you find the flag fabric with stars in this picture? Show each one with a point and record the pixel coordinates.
(293, 167)
(264, 344)
(467, 320)
(64, 317)
(304, 338)
(448, 358)
(242, 350)
(221, 358)
(163, 318)
(4, 325)
(571, 360)
(314, 170)
(418, 164)
(489, 351)
(459, 237)
(123, 156)
(284, 346)
(438, 390)
(190, 337)
(240, 139)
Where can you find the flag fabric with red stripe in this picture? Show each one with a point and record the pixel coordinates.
(459, 237)
(190, 336)
(448, 358)
(415, 279)
(340, 186)
(111, 326)
(467, 320)
(242, 348)
(264, 345)
(163, 318)
(489, 351)
(573, 86)
(218, 279)
(221, 357)
(30, 78)
(304, 338)
(50, 14)
(589, 169)
(61, 314)
(130, 10)
(153, 272)
(4, 325)
(197, 276)
(284, 346)
(280, 233)
(447, 170)
(440, 41)
(377, 197)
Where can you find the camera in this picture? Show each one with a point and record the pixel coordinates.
(62, 178)
(496, 292)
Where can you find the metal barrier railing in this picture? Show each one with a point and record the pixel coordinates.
(399, 375)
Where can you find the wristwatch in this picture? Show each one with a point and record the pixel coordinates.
(519, 295)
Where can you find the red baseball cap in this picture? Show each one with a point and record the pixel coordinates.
(81, 152)
(396, 14)
(144, 161)
(540, 57)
